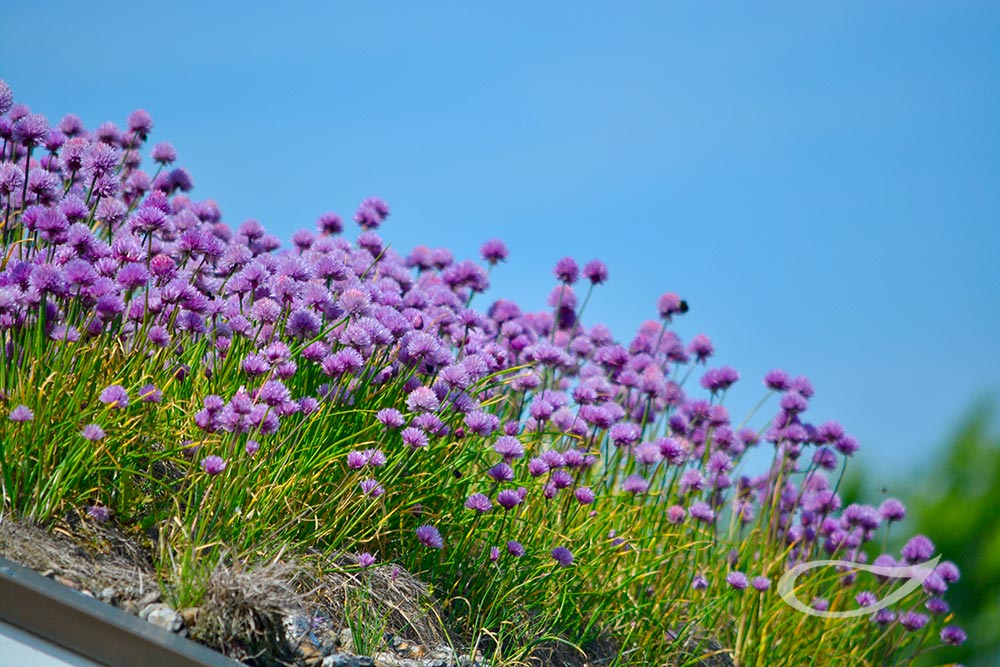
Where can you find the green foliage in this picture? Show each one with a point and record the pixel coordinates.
(959, 504)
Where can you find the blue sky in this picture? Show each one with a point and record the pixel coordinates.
(820, 182)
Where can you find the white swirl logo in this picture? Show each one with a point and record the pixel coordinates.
(915, 573)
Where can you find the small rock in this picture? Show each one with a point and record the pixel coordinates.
(162, 616)
(311, 655)
(347, 660)
(387, 660)
(190, 615)
(66, 581)
(346, 640)
(311, 637)
(148, 599)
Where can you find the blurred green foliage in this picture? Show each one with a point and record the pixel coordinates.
(955, 500)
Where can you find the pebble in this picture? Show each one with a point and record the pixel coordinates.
(148, 599)
(347, 660)
(310, 637)
(162, 616)
(346, 640)
(190, 615)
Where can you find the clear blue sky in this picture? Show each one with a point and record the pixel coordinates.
(821, 183)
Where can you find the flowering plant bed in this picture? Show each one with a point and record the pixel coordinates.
(228, 403)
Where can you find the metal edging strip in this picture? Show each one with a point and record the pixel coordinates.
(91, 628)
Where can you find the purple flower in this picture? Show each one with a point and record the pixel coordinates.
(148, 393)
(566, 271)
(508, 447)
(562, 479)
(737, 580)
(354, 302)
(701, 347)
(537, 467)
(365, 559)
(375, 457)
(865, 599)
(163, 153)
(515, 549)
(356, 460)
(584, 495)
(100, 160)
(371, 488)
(846, 445)
(93, 432)
(21, 413)
(777, 380)
(624, 434)
(892, 510)
(692, 480)
(699, 582)
(213, 465)
(702, 511)
(913, 621)
(635, 484)
(479, 502)
(429, 536)
(303, 324)
(140, 122)
(948, 571)
(668, 304)
(882, 616)
(390, 418)
(31, 130)
(595, 271)
(824, 502)
(274, 393)
(414, 437)
(114, 396)
(251, 447)
(934, 584)
(371, 213)
(953, 635)
(937, 606)
(493, 251)
(482, 423)
(422, 399)
(648, 453)
(793, 403)
(761, 583)
(676, 514)
(719, 379)
(918, 549)
(494, 554)
(509, 498)
(330, 223)
(98, 513)
(501, 472)
(11, 178)
(563, 556)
